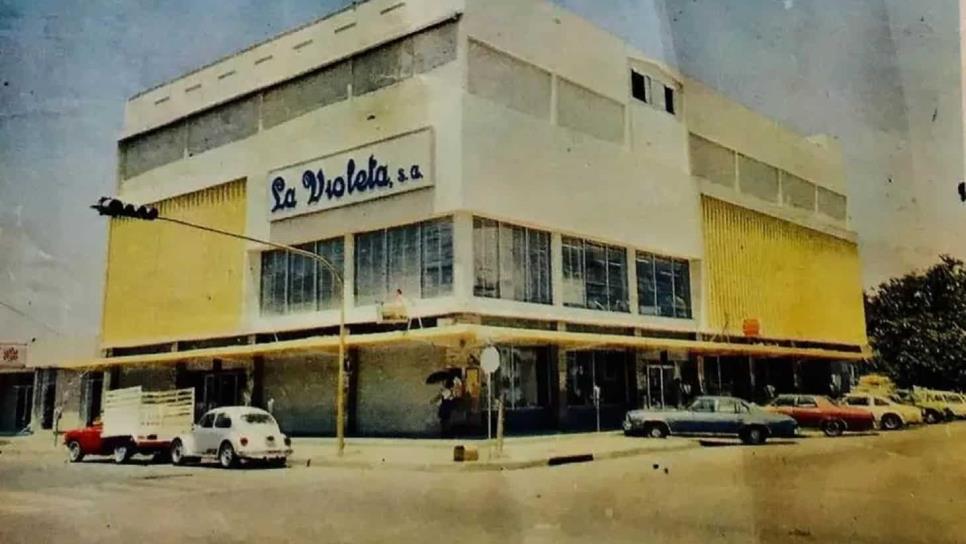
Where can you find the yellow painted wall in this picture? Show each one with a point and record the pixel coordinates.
(799, 283)
(166, 281)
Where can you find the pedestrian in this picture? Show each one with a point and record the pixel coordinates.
(445, 411)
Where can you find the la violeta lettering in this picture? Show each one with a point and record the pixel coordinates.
(356, 178)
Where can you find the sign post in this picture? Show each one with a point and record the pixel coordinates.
(490, 361)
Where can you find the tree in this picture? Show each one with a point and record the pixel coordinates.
(917, 326)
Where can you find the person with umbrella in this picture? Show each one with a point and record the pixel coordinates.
(446, 398)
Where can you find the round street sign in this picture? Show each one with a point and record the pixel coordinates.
(490, 359)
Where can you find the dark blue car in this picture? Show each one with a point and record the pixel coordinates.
(726, 416)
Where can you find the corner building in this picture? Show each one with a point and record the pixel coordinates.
(523, 178)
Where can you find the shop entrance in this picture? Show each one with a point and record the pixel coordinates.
(24, 395)
(661, 387)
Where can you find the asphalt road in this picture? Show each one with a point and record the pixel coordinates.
(907, 486)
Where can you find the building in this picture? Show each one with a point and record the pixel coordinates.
(520, 177)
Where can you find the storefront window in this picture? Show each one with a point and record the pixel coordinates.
(293, 283)
(663, 286)
(511, 262)
(524, 376)
(606, 369)
(416, 259)
(594, 275)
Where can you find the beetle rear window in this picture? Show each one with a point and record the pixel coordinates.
(258, 419)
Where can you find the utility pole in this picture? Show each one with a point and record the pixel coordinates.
(114, 208)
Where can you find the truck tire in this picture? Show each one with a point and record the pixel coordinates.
(74, 452)
(123, 452)
(177, 453)
(933, 416)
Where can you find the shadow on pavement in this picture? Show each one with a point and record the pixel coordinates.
(711, 443)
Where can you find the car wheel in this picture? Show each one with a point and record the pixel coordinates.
(753, 436)
(226, 456)
(74, 452)
(655, 430)
(123, 452)
(932, 416)
(891, 422)
(833, 427)
(177, 453)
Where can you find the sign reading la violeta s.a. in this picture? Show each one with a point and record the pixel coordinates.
(380, 169)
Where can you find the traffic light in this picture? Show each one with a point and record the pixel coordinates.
(113, 207)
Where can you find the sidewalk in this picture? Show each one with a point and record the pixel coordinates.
(437, 455)
(429, 454)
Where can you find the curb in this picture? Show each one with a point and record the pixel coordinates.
(486, 466)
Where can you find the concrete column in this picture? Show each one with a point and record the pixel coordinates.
(349, 271)
(561, 380)
(352, 391)
(700, 370)
(632, 280)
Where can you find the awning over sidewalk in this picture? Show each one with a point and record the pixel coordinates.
(470, 337)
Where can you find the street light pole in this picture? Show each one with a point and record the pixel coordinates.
(150, 214)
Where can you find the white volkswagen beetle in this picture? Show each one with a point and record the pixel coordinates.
(231, 434)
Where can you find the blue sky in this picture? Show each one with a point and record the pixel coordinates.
(872, 72)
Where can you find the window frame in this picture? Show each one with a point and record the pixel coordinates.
(385, 238)
(686, 311)
(578, 250)
(320, 275)
(530, 266)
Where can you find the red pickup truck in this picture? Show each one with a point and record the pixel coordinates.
(134, 422)
(820, 412)
(89, 441)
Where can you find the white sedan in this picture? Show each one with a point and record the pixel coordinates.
(231, 434)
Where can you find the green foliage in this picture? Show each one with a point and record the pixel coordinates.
(917, 326)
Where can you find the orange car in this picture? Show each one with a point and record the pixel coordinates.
(820, 412)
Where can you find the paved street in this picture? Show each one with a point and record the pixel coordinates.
(907, 486)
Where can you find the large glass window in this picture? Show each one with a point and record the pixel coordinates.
(605, 369)
(663, 286)
(415, 259)
(524, 376)
(511, 262)
(293, 283)
(594, 275)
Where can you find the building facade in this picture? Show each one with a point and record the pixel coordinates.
(508, 173)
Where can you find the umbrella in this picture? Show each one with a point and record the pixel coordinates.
(442, 375)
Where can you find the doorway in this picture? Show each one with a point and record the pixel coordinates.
(660, 392)
(24, 395)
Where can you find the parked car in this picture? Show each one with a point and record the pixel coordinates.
(956, 404)
(889, 415)
(712, 416)
(134, 422)
(934, 406)
(818, 412)
(233, 434)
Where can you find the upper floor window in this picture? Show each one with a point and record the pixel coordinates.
(415, 259)
(669, 100)
(641, 87)
(594, 275)
(293, 283)
(511, 262)
(663, 286)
